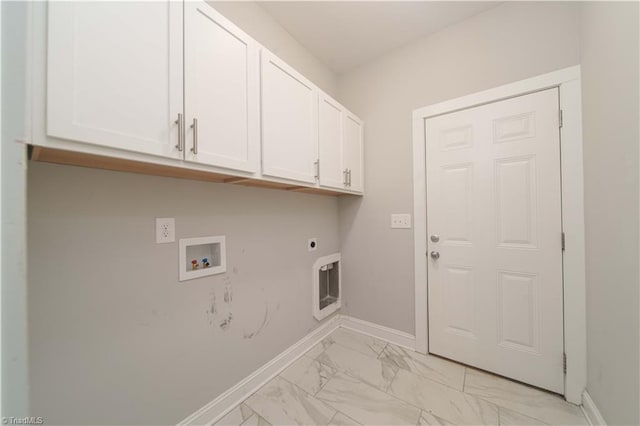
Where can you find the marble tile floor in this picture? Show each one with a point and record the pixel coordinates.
(353, 379)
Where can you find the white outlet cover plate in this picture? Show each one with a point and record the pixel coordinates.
(165, 230)
(401, 221)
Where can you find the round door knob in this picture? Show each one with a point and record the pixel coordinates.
(435, 255)
(435, 238)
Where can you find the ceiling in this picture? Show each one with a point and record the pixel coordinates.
(345, 34)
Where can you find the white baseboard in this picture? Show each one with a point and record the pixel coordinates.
(591, 411)
(224, 403)
(228, 400)
(387, 334)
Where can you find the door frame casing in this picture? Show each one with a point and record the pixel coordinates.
(568, 82)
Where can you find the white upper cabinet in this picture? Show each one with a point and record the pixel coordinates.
(177, 84)
(114, 74)
(340, 146)
(330, 115)
(221, 91)
(352, 152)
(289, 122)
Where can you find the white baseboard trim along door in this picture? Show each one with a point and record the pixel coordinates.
(225, 402)
(591, 411)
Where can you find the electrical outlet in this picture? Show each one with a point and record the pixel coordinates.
(401, 221)
(312, 244)
(165, 230)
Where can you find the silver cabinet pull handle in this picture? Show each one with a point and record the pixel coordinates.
(345, 173)
(349, 176)
(317, 166)
(180, 123)
(194, 126)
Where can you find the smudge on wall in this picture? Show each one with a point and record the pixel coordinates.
(250, 316)
(265, 321)
(221, 314)
(211, 310)
(226, 322)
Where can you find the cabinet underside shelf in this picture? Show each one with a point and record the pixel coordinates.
(58, 156)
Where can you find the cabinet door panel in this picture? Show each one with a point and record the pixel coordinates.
(330, 115)
(352, 149)
(221, 90)
(289, 122)
(114, 74)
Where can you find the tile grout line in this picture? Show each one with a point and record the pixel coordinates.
(329, 379)
(501, 404)
(400, 399)
(464, 380)
(374, 387)
(387, 390)
(500, 407)
(382, 351)
(360, 379)
(388, 387)
(312, 396)
(385, 343)
(349, 417)
(243, 402)
(355, 350)
(422, 409)
(333, 417)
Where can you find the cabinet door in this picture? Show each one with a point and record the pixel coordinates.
(289, 122)
(221, 91)
(114, 74)
(330, 142)
(352, 149)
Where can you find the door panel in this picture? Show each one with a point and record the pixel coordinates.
(221, 90)
(330, 143)
(516, 202)
(289, 122)
(459, 298)
(114, 74)
(493, 191)
(353, 152)
(457, 184)
(518, 311)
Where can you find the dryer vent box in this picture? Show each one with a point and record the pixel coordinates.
(327, 286)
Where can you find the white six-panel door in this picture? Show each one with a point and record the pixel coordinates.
(116, 88)
(494, 220)
(221, 91)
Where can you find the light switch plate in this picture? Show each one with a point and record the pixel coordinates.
(401, 221)
(165, 230)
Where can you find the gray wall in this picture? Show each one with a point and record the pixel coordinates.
(14, 280)
(508, 43)
(114, 337)
(256, 22)
(611, 137)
